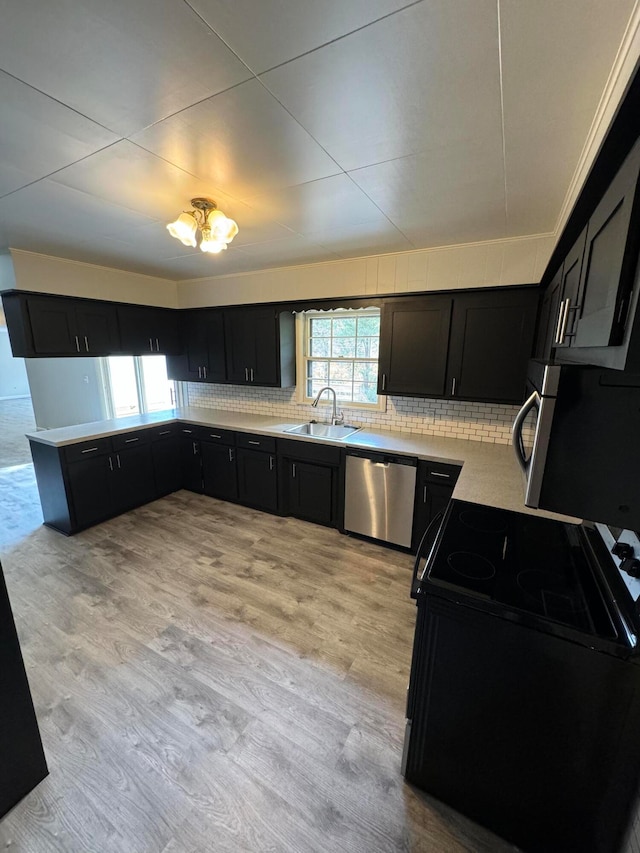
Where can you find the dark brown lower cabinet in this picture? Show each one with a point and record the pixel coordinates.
(310, 481)
(258, 479)
(167, 467)
(435, 482)
(219, 472)
(23, 764)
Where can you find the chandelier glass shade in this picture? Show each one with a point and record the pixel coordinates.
(216, 229)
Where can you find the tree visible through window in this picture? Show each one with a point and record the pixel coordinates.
(341, 350)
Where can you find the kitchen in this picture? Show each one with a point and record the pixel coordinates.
(343, 639)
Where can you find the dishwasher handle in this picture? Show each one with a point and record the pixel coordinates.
(384, 459)
(421, 549)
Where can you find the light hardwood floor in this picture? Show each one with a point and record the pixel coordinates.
(210, 678)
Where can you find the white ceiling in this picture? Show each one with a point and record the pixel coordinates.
(326, 128)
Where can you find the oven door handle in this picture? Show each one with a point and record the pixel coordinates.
(421, 548)
(516, 431)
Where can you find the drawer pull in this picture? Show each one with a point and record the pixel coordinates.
(255, 442)
(438, 474)
(165, 432)
(215, 435)
(130, 440)
(89, 450)
(187, 431)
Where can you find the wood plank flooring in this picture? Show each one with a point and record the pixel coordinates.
(211, 678)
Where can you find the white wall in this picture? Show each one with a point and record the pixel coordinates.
(13, 375)
(47, 274)
(498, 262)
(65, 391)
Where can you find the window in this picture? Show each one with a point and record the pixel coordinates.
(340, 349)
(137, 384)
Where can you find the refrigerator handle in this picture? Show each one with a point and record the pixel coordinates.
(516, 431)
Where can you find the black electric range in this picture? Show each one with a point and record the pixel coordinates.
(524, 701)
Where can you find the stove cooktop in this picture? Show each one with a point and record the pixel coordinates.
(528, 564)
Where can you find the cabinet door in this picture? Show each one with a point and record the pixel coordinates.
(216, 365)
(431, 498)
(310, 491)
(219, 471)
(549, 318)
(191, 462)
(23, 763)
(132, 480)
(89, 484)
(491, 342)
(258, 479)
(96, 325)
(264, 360)
(414, 338)
(609, 264)
(167, 465)
(570, 286)
(239, 348)
(52, 326)
(148, 330)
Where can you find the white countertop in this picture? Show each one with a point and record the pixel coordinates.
(489, 476)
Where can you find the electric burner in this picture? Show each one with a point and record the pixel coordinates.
(483, 522)
(471, 565)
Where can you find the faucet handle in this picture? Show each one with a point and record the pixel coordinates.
(339, 418)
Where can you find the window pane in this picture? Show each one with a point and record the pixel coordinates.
(340, 370)
(124, 389)
(365, 392)
(368, 325)
(320, 346)
(343, 348)
(344, 327)
(343, 390)
(321, 328)
(367, 348)
(158, 390)
(365, 371)
(318, 370)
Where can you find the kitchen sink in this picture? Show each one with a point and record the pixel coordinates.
(313, 430)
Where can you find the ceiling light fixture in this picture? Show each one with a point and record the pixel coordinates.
(216, 228)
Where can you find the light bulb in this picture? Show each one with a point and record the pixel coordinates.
(184, 229)
(209, 243)
(222, 228)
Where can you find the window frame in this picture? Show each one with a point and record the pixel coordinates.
(303, 327)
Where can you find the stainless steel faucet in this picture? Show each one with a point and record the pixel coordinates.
(335, 418)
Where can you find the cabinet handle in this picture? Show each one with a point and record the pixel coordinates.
(271, 463)
(110, 464)
(251, 371)
(165, 432)
(453, 387)
(204, 372)
(130, 440)
(89, 450)
(384, 381)
(150, 344)
(254, 442)
(424, 495)
(118, 458)
(565, 318)
(293, 469)
(231, 454)
(436, 474)
(214, 435)
(77, 344)
(86, 343)
(195, 448)
(187, 431)
(557, 338)
(246, 374)
(199, 373)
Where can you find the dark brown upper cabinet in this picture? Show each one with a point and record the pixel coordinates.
(414, 337)
(260, 347)
(548, 323)
(145, 330)
(203, 358)
(59, 326)
(566, 320)
(491, 342)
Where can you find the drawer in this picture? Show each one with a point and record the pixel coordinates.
(166, 431)
(438, 472)
(217, 436)
(85, 449)
(310, 451)
(130, 439)
(256, 442)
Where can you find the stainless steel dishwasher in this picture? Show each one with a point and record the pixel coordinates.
(379, 496)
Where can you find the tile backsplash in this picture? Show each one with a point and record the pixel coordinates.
(450, 418)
